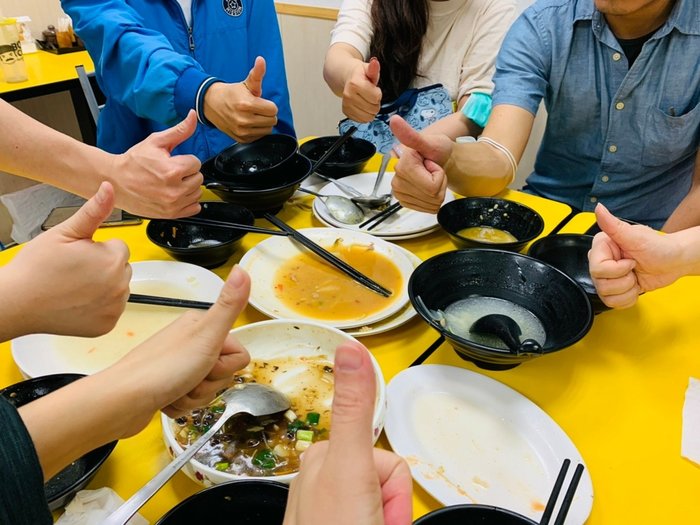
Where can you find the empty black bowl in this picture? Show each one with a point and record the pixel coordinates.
(473, 515)
(569, 253)
(553, 297)
(207, 246)
(267, 193)
(349, 159)
(256, 158)
(522, 222)
(62, 487)
(242, 502)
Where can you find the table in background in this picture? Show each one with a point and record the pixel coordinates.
(51, 73)
(618, 393)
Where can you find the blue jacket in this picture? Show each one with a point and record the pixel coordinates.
(150, 64)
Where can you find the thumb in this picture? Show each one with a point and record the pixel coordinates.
(83, 223)
(180, 132)
(232, 299)
(619, 231)
(255, 77)
(372, 71)
(408, 136)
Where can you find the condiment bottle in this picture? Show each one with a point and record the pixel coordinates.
(11, 61)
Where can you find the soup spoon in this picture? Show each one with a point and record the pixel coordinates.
(373, 200)
(508, 331)
(248, 398)
(341, 208)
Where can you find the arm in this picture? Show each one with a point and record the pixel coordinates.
(178, 369)
(687, 213)
(147, 180)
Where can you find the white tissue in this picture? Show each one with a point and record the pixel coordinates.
(690, 444)
(91, 507)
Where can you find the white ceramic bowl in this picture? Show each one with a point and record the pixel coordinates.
(271, 339)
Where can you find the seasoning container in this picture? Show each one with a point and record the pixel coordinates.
(11, 61)
(64, 32)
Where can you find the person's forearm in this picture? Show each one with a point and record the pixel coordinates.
(687, 213)
(13, 315)
(477, 170)
(688, 242)
(340, 61)
(455, 125)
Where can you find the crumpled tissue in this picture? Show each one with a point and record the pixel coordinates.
(91, 507)
(690, 443)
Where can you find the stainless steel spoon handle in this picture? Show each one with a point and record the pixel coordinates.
(348, 190)
(380, 175)
(135, 502)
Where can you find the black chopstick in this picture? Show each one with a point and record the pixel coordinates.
(428, 351)
(569, 496)
(167, 301)
(381, 216)
(230, 225)
(329, 257)
(552, 501)
(334, 147)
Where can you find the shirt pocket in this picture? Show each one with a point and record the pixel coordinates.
(669, 139)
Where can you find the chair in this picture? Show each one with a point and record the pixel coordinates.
(89, 92)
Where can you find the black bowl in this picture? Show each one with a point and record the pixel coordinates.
(243, 502)
(473, 515)
(207, 246)
(553, 297)
(255, 159)
(267, 193)
(569, 253)
(522, 222)
(349, 159)
(61, 488)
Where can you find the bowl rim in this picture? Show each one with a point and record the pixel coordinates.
(226, 187)
(287, 140)
(333, 138)
(552, 239)
(477, 506)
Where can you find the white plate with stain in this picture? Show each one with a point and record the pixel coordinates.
(42, 354)
(471, 439)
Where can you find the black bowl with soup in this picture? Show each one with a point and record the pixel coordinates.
(453, 290)
(61, 488)
(481, 222)
(204, 245)
(350, 158)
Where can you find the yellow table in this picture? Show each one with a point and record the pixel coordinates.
(50, 73)
(618, 393)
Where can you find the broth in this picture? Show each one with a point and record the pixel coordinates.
(310, 286)
(487, 234)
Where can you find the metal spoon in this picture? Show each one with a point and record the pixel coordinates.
(249, 398)
(508, 331)
(373, 200)
(341, 208)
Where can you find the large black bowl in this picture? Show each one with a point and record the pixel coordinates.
(63, 486)
(473, 515)
(241, 502)
(522, 222)
(207, 246)
(349, 159)
(557, 300)
(267, 193)
(255, 159)
(569, 253)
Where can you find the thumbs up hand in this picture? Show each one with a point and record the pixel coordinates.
(361, 96)
(62, 282)
(239, 109)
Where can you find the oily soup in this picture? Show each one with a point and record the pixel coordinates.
(307, 284)
(268, 445)
(487, 234)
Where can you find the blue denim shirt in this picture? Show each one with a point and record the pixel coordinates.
(623, 136)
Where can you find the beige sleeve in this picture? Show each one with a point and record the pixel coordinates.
(354, 26)
(479, 62)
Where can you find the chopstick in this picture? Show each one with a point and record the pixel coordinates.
(230, 225)
(339, 142)
(568, 497)
(381, 216)
(344, 267)
(168, 301)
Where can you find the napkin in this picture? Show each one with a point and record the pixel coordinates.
(690, 444)
(91, 507)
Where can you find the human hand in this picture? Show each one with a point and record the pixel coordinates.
(344, 480)
(626, 260)
(239, 109)
(420, 182)
(149, 182)
(361, 96)
(63, 283)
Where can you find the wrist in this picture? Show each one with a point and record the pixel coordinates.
(200, 104)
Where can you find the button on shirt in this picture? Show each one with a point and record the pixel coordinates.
(623, 136)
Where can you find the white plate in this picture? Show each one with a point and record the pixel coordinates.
(470, 439)
(263, 261)
(43, 354)
(402, 223)
(402, 316)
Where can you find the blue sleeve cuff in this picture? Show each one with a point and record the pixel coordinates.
(186, 90)
(478, 108)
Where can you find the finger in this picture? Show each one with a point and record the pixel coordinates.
(264, 108)
(611, 269)
(397, 486)
(83, 223)
(617, 285)
(372, 71)
(233, 357)
(625, 300)
(603, 249)
(406, 135)
(170, 138)
(255, 77)
(230, 303)
(185, 166)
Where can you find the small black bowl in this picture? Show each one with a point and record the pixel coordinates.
(61, 488)
(553, 297)
(473, 515)
(267, 194)
(522, 222)
(250, 502)
(256, 158)
(207, 246)
(349, 159)
(569, 253)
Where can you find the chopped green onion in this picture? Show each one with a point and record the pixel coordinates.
(296, 425)
(222, 466)
(218, 409)
(265, 459)
(305, 435)
(312, 418)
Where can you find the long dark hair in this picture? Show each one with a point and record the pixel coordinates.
(399, 28)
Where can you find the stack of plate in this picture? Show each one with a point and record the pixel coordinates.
(263, 261)
(405, 224)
